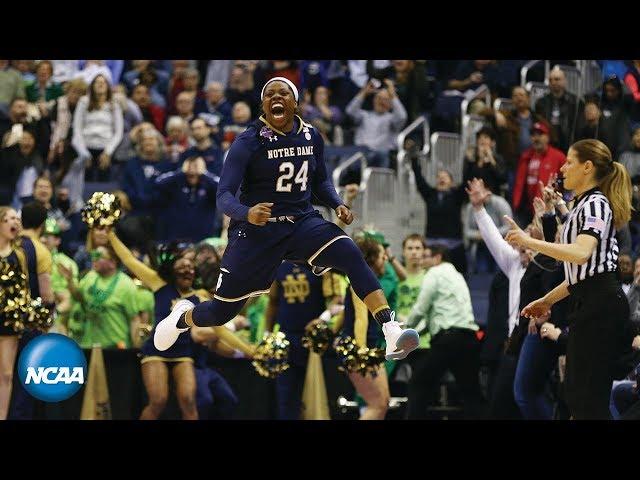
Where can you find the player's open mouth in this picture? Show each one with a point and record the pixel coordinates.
(277, 110)
(13, 229)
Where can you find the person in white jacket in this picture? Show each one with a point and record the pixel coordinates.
(513, 262)
(496, 207)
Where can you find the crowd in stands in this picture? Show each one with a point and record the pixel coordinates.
(156, 133)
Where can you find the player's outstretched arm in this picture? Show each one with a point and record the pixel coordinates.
(147, 276)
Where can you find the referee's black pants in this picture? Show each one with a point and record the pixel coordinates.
(455, 349)
(598, 319)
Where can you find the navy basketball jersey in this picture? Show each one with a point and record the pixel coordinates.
(300, 297)
(282, 168)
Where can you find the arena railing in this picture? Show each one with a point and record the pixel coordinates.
(471, 124)
(343, 166)
(575, 75)
(402, 136)
(574, 79)
(445, 153)
(380, 208)
(592, 77)
(502, 104)
(410, 210)
(524, 71)
(536, 90)
(356, 207)
(481, 92)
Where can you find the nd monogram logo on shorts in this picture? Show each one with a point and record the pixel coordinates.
(296, 288)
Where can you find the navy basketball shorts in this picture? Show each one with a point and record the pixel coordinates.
(253, 253)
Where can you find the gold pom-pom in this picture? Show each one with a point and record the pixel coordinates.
(362, 360)
(102, 209)
(14, 296)
(347, 351)
(318, 337)
(271, 357)
(41, 316)
(371, 359)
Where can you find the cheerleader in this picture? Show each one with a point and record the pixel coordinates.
(173, 281)
(39, 262)
(12, 254)
(360, 324)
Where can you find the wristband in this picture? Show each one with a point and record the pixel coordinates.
(325, 316)
(238, 354)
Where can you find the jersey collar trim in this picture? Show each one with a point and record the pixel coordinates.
(300, 126)
(587, 193)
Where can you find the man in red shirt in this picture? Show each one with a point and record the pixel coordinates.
(150, 112)
(536, 164)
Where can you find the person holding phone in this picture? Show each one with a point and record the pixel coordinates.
(20, 166)
(485, 162)
(14, 120)
(599, 325)
(536, 164)
(377, 129)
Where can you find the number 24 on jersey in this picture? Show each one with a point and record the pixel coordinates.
(287, 170)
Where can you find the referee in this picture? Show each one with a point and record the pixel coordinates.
(599, 311)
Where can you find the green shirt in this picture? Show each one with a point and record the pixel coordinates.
(407, 296)
(58, 282)
(256, 316)
(444, 301)
(389, 283)
(107, 320)
(146, 302)
(52, 91)
(11, 85)
(407, 292)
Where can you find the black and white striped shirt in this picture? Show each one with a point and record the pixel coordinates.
(591, 215)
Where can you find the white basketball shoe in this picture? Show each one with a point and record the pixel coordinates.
(167, 331)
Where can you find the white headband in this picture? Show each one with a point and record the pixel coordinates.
(281, 79)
